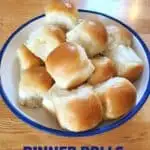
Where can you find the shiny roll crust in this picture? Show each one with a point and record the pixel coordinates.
(34, 83)
(77, 110)
(91, 35)
(62, 14)
(69, 65)
(44, 40)
(27, 59)
(118, 96)
(104, 69)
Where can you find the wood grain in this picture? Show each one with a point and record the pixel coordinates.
(134, 135)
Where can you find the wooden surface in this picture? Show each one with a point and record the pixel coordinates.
(134, 135)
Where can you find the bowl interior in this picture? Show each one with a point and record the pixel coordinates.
(10, 71)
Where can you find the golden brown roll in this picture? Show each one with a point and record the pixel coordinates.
(91, 35)
(127, 62)
(69, 65)
(118, 96)
(44, 40)
(117, 36)
(34, 83)
(77, 110)
(104, 69)
(27, 59)
(62, 14)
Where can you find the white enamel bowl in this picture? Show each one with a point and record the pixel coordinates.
(39, 118)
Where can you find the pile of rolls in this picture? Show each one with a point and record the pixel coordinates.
(81, 71)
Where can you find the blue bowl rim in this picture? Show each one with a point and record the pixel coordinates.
(91, 132)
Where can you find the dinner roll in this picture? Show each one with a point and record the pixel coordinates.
(48, 105)
(104, 69)
(62, 14)
(27, 59)
(127, 62)
(34, 83)
(91, 35)
(77, 110)
(44, 40)
(117, 36)
(118, 97)
(69, 65)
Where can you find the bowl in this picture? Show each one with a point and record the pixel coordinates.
(39, 118)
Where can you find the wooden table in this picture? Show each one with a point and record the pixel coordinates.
(134, 135)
